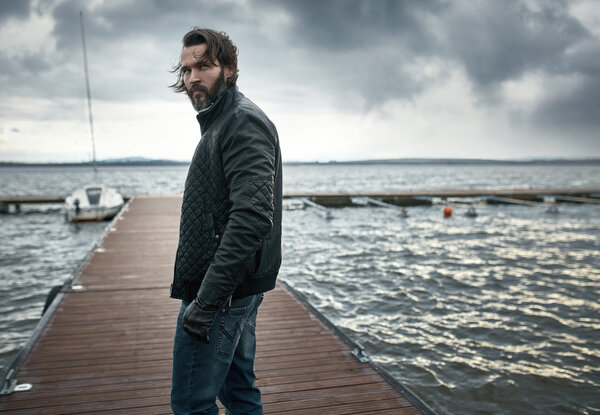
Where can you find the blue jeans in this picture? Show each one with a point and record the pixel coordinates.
(224, 368)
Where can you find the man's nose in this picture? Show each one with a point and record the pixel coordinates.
(194, 75)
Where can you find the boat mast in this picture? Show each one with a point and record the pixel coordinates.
(89, 96)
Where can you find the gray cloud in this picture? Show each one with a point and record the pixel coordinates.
(355, 24)
(364, 49)
(131, 45)
(499, 41)
(504, 41)
(377, 49)
(576, 110)
(362, 53)
(14, 8)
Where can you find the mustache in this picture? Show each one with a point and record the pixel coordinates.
(197, 87)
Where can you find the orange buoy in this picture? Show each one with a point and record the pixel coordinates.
(447, 211)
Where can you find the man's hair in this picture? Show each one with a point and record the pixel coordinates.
(218, 48)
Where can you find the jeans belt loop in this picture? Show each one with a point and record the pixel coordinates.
(228, 302)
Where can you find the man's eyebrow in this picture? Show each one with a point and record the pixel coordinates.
(203, 61)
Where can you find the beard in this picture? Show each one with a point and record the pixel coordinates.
(210, 95)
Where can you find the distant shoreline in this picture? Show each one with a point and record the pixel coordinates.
(408, 161)
(99, 164)
(448, 161)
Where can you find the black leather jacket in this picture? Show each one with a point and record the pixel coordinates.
(230, 230)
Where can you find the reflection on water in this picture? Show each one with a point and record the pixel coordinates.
(486, 315)
(39, 250)
(494, 314)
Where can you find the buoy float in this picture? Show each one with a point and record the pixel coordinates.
(447, 211)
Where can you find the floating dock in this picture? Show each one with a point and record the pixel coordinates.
(105, 343)
(429, 197)
(398, 198)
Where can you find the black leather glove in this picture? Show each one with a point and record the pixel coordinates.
(200, 313)
(197, 319)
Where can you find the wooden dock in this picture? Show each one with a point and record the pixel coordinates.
(105, 344)
(399, 198)
(428, 197)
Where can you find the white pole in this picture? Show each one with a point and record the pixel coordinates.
(89, 97)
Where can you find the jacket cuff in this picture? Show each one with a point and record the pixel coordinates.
(210, 295)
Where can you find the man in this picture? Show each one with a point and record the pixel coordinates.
(229, 249)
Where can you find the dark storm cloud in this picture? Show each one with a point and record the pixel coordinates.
(377, 48)
(493, 41)
(13, 8)
(362, 53)
(25, 70)
(577, 109)
(365, 47)
(357, 24)
(499, 41)
(132, 45)
(502, 41)
(139, 19)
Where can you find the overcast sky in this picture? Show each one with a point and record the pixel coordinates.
(342, 80)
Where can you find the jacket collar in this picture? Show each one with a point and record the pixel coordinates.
(206, 115)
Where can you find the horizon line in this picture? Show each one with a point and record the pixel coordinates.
(407, 160)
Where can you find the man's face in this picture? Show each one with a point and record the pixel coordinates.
(202, 78)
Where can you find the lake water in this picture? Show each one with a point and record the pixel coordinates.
(487, 315)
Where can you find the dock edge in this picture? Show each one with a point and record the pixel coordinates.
(396, 384)
(9, 382)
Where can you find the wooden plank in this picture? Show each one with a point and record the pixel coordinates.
(107, 347)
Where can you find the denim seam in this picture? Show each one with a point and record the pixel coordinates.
(191, 381)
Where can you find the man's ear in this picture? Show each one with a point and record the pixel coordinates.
(229, 71)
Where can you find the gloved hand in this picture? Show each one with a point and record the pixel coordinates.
(197, 319)
(201, 312)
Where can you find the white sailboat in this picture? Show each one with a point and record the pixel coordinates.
(95, 201)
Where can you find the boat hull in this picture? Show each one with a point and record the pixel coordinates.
(92, 203)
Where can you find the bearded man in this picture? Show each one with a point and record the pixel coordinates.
(229, 250)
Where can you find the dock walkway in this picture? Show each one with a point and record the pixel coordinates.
(104, 346)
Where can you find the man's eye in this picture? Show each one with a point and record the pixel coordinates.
(185, 70)
(203, 67)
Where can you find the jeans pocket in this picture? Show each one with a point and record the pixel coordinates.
(234, 320)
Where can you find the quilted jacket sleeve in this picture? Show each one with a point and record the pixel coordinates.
(248, 149)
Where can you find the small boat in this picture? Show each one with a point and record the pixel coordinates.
(93, 203)
(96, 201)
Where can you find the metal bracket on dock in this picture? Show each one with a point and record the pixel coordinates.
(381, 203)
(426, 199)
(294, 204)
(512, 201)
(327, 212)
(551, 207)
(12, 385)
(576, 199)
(359, 352)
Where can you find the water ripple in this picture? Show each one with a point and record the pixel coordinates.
(486, 315)
(475, 308)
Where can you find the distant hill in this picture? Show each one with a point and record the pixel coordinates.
(141, 161)
(127, 161)
(447, 161)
